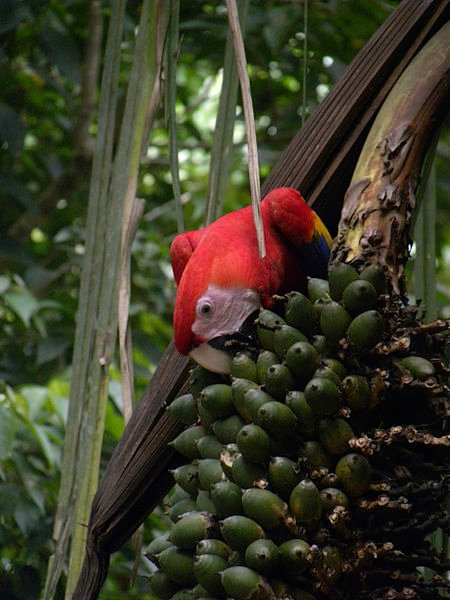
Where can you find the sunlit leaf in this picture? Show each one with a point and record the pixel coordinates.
(22, 303)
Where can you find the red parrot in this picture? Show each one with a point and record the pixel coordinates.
(222, 281)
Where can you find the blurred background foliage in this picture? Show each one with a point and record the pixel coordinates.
(47, 128)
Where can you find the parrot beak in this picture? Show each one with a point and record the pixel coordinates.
(216, 354)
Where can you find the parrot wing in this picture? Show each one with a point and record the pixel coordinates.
(297, 222)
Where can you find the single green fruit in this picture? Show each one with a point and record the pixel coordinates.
(277, 419)
(419, 367)
(227, 429)
(335, 365)
(354, 474)
(302, 359)
(244, 367)
(177, 493)
(245, 473)
(332, 497)
(320, 343)
(186, 442)
(240, 387)
(253, 443)
(265, 359)
(323, 396)
(283, 338)
(299, 313)
(283, 475)
(203, 502)
(161, 585)
(262, 556)
(191, 528)
(209, 471)
(156, 546)
(318, 289)
(279, 380)
(306, 419)
(254, 399)
(356, 392)
(366, 330)
(239, 531)
(209, 446)
(305, 502)
(227, 498)
(327, 373)
(200, 378)
(183, 595)
(340, 275)
(242, 583)
(294, 556)
(264, 507)
(217, 399)
(207, 569)
(181, 507)
(265, 327)
(334, 322)
(359, 296)
(212, 546)
(178, 565)
(184, 409)
(315, 455)
(374, 273)
(334, 435)
(186, 477)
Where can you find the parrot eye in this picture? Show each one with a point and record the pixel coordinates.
(205, 308)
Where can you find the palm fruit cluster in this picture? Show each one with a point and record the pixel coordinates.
(319, 468)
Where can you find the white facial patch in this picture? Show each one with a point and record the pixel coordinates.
(221, 311)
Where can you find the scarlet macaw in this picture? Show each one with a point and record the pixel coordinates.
(222, 281)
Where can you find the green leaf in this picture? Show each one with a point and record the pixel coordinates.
(12, 130)
(8, 427)
(5, 282)
(35, 396)
(22, 303)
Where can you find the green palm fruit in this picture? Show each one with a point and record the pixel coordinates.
(204, 503)
(332, 497)
(334, 434)
(240, 387)
(283, 338)
(265, 359)
(318, 289)
(254, 399)
(335, 365)
(200, 378)
(327, 373)
(177, 493)
(302, 359)
(299, 313)
(264, 507)
(217, 399)
(359, 296)
(332, 559)
(262, 556)
(340, 275)
(186, 442)
(227, 457)
(244, 473)
(419, 367)
(239, 531)
(306, 419)
(199, 591)
(253, 443)
(184, 409)
(366, 330)
(243, 366)
(283, 475)
(206, 418)
(161, 585)
(207, 569)
(279, 380)
(156, 546)
(209, 471)
(319, 342)
(242, 583)
(294, 557)
(334, 322)
(191, 529)
(209, 446)
(178, 565)
(315, 455)
(305, 502)
(356, 392)
(227, 429)
(323, 396)
(183, 595)
(277, 419)
(212, 546)
(186, 476)
(375, 275)
(354, 474)
(227, 498)
(181, 507)
(265, 327)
